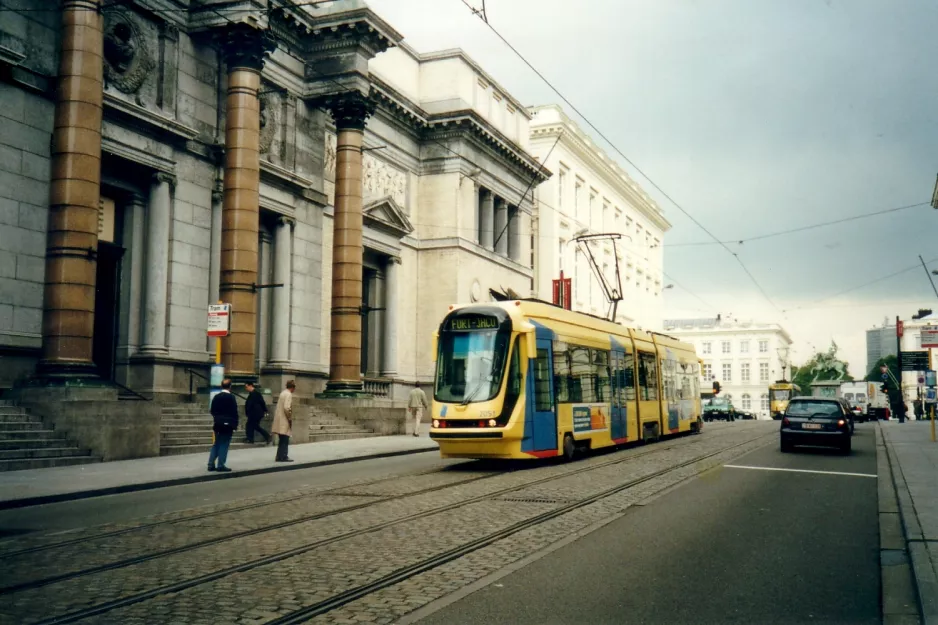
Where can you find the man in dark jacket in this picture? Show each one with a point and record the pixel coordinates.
(225, 422)
(255, 408)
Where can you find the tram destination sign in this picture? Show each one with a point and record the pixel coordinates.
(929, 337)
(472, 323)
(219, 319)
(915, 361)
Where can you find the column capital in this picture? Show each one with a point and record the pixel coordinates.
(349, 109)
(245, 47)
(286, 221)
(393, 260)
(163, 177)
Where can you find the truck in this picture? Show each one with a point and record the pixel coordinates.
(857, 396)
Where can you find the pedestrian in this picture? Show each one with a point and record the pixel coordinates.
(255, 409)
(224, 422)
(283, 422)
(416, 404)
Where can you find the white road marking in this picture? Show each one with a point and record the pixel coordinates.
(739, 466)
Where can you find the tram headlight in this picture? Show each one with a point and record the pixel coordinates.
(492, 423)
(436, 423)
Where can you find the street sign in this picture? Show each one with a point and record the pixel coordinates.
(915, 361)
(219, 319)
(929, 337)
(930, 395)
(900, 328)
(930, 379)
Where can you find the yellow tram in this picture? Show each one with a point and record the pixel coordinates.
(780, 394)
(527, 379)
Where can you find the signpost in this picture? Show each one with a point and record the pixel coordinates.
(219, 324)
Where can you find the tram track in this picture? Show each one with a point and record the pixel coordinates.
(349, 596)
(46, 581)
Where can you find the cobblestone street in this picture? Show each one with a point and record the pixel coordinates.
(315, 554)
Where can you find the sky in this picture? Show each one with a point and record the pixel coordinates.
(754, 118)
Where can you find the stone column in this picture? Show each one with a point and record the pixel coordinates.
(350, 110)
(501, 223)
(389, 361)
(244, 48)
(486, 219)
(75, 194)
(513, 234)
(283, 263)
(159, 219)
(215, 259)
(263, 297)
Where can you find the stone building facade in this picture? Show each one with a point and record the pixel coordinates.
(590, 193)
(745, 357)
(338, 188)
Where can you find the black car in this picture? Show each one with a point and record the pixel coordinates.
(816, 421)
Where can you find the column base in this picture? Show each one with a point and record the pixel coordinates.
(67, 374)
(336, 390)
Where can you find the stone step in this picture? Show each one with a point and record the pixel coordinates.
(338, 428)
(188, 439)
(19, 426)
(19, 418)
(43, 452)
(187, 429)
(42, 463)
(6, 402)
(33, 443)
(317, 438)
(12, 410)
(30, 435)
(184, 413)
(202, 422)
(178, 450)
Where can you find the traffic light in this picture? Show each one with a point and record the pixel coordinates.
(716, 388)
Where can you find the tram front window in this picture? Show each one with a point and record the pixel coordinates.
(781, 394)
(470, 365)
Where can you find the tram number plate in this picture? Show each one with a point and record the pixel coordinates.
(811, 426)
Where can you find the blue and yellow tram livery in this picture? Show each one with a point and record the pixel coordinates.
(526, 379)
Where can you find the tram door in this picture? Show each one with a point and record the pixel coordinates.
(619, 422)
(545, 414)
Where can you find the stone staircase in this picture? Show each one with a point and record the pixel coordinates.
(187, 429)
(327, 426)
(26, 443)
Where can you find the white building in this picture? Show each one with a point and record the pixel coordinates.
(743, 356)
(590, 192)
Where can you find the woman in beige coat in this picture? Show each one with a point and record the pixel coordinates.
(283, 422)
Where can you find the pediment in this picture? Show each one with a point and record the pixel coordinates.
(386, 214)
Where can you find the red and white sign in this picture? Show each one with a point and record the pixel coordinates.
(899, 328)
(219, 319)
(929, 337)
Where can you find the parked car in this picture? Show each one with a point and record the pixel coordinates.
(816, 421)
(748, 416)
(719, 408)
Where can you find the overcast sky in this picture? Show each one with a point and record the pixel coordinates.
(756, 117)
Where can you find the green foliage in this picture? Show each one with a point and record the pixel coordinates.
(890, 361)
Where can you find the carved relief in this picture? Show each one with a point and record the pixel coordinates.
(127, 57)
(379, 179)
(329, 158)
(270, 121)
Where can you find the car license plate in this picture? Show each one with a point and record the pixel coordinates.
(811, 426)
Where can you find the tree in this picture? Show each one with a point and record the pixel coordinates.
(822, 367)
(890, 361)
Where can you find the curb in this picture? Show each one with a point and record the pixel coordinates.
(923, 571)
(25, 502)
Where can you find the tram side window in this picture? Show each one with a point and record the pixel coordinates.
(667, 379)
(601, 375)
(626, 377)
(582, 376)
(561, 372)
(542, 373)
(647, 377)
(513, 390)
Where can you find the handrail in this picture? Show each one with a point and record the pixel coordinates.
(193, 372)
(131, 391)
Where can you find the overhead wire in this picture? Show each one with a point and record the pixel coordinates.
(622, 154)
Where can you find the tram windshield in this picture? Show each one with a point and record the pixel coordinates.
(470, 365)
(780, 394)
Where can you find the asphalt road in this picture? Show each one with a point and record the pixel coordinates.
(733, 545)
(129, 506)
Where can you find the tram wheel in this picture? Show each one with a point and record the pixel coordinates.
(569, 448)
(699, 427)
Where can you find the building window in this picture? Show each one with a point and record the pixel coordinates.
(726, 347)
(561, 245)
(707, 372)
(763, 347)
(577, 190)
(763, 372)
(727, 371)
(705, 347)
(605, 222)
(747, 401)
(744, 372)
(744, 347)
(765, 401)
(561, 185)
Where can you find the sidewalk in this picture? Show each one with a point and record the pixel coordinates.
(914, 460)
(37, 486)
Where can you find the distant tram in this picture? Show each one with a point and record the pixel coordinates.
(526, 379)
(780, 394)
